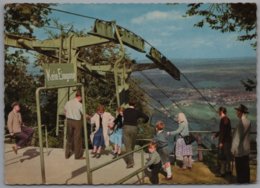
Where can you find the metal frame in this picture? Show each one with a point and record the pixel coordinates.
(37, 95)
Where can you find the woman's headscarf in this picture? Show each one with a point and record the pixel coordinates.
(181, 118)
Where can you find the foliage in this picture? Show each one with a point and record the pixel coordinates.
(229, 17)
(249, 84)
(19, 86)
(22, 18)
(99, 89)
(145, 131)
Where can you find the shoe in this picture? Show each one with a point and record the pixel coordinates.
(130, 166)
(168, 178)
(98, 155)
(94, 155)
(189, 168)
(93, 152)
(115, 156)
(15, 149)
(113, 153)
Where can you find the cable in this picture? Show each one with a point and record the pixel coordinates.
(90, 17)
(196, 89)
(75, 14)
(166, 95)
(50, 27)
(154, 100)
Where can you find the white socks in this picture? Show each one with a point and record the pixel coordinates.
(169, 171)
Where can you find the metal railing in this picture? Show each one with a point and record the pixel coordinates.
(122, 180)
(136, 172)
(141, 149)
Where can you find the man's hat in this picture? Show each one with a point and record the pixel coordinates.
(14, 104)
(242, 108)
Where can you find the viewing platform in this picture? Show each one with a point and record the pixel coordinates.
(24, 168)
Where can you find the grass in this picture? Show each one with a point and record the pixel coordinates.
(200, 174)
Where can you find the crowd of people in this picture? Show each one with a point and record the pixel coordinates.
(122, 131)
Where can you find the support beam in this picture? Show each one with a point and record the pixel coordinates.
(51, 44)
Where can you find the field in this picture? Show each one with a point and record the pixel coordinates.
(218, 80)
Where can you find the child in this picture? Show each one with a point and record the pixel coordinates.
(162, 147)
(116, 136)
(154, 163)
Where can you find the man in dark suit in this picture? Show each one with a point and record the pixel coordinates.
(224, 144)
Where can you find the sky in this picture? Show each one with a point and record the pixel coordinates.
(161, 25)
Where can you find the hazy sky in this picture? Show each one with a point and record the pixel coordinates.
(161, 25)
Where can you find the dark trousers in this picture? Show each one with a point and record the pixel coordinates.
(24, 137)
(74, 139)
(242, 169)
(154, 174)
(224, 158)
(129, 138)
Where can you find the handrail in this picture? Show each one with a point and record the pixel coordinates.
(120, 157)
(252, 132)
(130, 175)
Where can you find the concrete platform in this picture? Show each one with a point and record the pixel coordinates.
(24, 168)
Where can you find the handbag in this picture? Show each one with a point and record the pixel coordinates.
(189, 139)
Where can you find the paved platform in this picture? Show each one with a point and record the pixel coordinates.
(24, 168)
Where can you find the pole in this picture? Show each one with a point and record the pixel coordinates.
(200, 153)
(37, 93)
(142, 165)
(89, 172)
(46, 139)
(122, 54)
(65, 134)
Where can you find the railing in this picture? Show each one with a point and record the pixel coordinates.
(140, 170)
(201, 147)
(122, 180)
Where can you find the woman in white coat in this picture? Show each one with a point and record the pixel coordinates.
(99, 137)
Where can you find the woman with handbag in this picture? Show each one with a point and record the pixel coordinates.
(183, 150)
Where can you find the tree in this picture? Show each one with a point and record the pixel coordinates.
(22, 18)
(99, 89)
(20, 85)
(229, 17)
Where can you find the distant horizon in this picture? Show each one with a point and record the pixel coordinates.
(204, 58)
